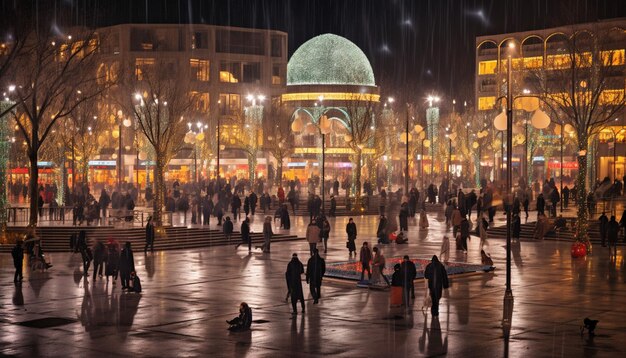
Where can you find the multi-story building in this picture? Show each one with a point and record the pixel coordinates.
(224, 66)
(547, 52)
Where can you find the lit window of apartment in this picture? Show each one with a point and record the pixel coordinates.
(245, 72)
(612, 96)
(277, 78)
(199, 69)
(201, 101)
(486, 103)
(141, 66)
(533, 62)
(487, 67)
(229, 103)
(558, 62)
(612, 57)
(108, 73)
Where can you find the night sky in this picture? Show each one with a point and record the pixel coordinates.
(415, 47)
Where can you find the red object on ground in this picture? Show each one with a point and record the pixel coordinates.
(395, 296)
(579, 249)
(392, 236)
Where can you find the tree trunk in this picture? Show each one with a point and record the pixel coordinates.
(252, 160)
(279, 171)
(356, 180)
(159, 189)
(32, 185)
(581, 196)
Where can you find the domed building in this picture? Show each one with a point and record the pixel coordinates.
(329, 82)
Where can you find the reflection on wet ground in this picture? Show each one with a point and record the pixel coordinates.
(189, 294)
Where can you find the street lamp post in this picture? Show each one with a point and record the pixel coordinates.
(406, 169)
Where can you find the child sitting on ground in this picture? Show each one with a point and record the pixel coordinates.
(243, 321)
(135, 283)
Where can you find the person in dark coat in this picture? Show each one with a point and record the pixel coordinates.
(409, 272)
(333, 206)
(294, 282)
(235, 206)
(317, 206)
(351, 231)
(149, 235)
(437, 278)
(325, 232)
(126, 265)
(285, 221)
(246, 205)
(207, 209)
(404, 217)
(612, 233)
(315, 269)
(622, 223)
(554, 199)
(105, 200)
(228, 228)
(99, 257)
(113, 260)
(18, 260)
(517, 226)
(365, 257)
(252, 198)
(381, 232)
(465, 233)
(87, 257)
(604, 225)
(245, 235)
(541, 204)
(243, 321)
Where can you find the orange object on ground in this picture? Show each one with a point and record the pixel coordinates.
(395, 296)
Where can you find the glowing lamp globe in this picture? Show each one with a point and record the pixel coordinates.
(127, 122)
(403, 137)
(115, 133)
(569, 128)
(427, 143)
(143, 155)
(475, 145)
(500, 121)
(418, 128)
(200, 136)
(540, 119)
(297, 125)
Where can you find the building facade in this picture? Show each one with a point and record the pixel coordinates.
(547, 53)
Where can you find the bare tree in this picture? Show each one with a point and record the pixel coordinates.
(248, 134)
(279, 136)
(53, 75)
(159, 102)
(584, 82)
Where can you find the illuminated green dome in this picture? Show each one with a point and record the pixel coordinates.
(329, 60)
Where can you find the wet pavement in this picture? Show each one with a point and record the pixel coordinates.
(188, 295)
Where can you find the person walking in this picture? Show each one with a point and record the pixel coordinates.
(126, 265)
(604, 225)
(313, 236)
(381, 232)
(365, 256)
(436, 280)
(409, 272)
(566, 193)
(285, 221)
(325, 232)
(113, 261)
(87, 257)
(99, 257)
(517, 227)
(267, 235)
(333, 206)
(612, 234)
(252, 198)
(315, 269)
(482, 232)
(235, 206)
(541, 204)
(227, 228)
(351, 231)
(246, 205)
(245, 235)
(18, 260)
(149, 236)
(403, 217)
(295, 269)
(465, 233)
(622, 221)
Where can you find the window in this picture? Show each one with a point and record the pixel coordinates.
(141, 66)
(229, 103)
(199, 40)
(276, 76)
(241, 42)
(230, 72)
(235, 72)
(486, 103)
(108, 73)
(612, 96)
(487, 67)
(199, 69)
(277, 46)
(612, 57)
(142, 40)
(201, 101)
(533, 62)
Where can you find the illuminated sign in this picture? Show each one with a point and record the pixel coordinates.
(333, 96)
(312, 150)
(102, 163)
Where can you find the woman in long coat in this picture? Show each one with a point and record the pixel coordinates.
(127, 265)
(295, 269)
(267, 234)
(351, 231)
(437, 280)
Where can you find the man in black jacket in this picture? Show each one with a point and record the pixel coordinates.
(149, 235)
(294, 282)
(437, 278)
(18, 259)
(245, 234)
(409, 271)
(315, 269)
